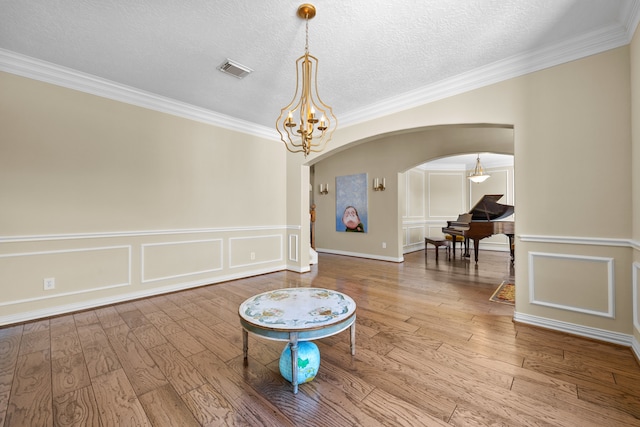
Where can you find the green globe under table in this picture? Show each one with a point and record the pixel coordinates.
(297, 315)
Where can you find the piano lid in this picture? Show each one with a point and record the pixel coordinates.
(488, 209)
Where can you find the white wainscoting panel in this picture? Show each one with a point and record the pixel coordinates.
(415, 234)
(170, 260)
(252, 250)
(293, 247)
(30, 268)
(636, 295)
(436, 230)
(415, 194)
(572, 282)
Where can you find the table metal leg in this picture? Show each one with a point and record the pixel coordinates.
(353, 337)
(245, 343)
(293, 345)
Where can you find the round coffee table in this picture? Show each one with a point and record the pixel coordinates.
(297, 314)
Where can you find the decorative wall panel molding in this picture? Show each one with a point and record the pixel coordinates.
(252, 250)
(636, 295)
(202, 256)
(32, 267)
(415, 235)
(572, 240)
(55, 310)
(293, 247)
(415, 195)
(435, 230)
(117, 256)
(571, 262)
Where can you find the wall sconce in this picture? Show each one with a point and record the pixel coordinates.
(379, 186)
(324, 188)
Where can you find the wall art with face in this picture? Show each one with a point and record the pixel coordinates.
(351, 203)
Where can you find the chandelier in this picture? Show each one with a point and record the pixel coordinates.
(478, 174)
(307, 123)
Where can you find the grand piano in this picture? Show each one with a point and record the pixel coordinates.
(484, 223)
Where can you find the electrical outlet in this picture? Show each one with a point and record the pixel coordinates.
(384, 245)
(49, 283)
(253, 256)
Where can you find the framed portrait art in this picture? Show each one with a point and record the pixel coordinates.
(351, 203)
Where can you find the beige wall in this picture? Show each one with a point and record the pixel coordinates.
(573, 168)
(116, 201)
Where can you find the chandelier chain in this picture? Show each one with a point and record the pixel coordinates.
(306, 40)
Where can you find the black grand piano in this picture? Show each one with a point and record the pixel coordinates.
(484, 223)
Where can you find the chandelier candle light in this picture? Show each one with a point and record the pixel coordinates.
(298, 123)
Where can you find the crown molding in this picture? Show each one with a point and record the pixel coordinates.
(630, 17)
(519, 65)
(36, 69)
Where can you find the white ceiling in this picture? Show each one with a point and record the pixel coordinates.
(376, 57)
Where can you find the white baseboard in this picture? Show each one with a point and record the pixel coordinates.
(635, 347)
(583, 331)
(360, 255)
(299, 269)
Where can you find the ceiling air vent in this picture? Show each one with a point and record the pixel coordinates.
(234, 69)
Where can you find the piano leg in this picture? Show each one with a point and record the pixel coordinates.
(466, 247)
(510, 236)
(476, 246)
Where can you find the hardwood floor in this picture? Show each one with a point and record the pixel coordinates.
(431, 350)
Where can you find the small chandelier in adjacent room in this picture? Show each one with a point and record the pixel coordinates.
(307, 123)
(478, 174)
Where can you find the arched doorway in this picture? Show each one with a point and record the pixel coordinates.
(438, 191)
(386, 156)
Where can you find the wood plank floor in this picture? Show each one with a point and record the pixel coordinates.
(431, 350)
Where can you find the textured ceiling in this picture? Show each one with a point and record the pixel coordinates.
(375, 56)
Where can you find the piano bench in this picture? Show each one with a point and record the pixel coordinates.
(437, 242)
(449, 237)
